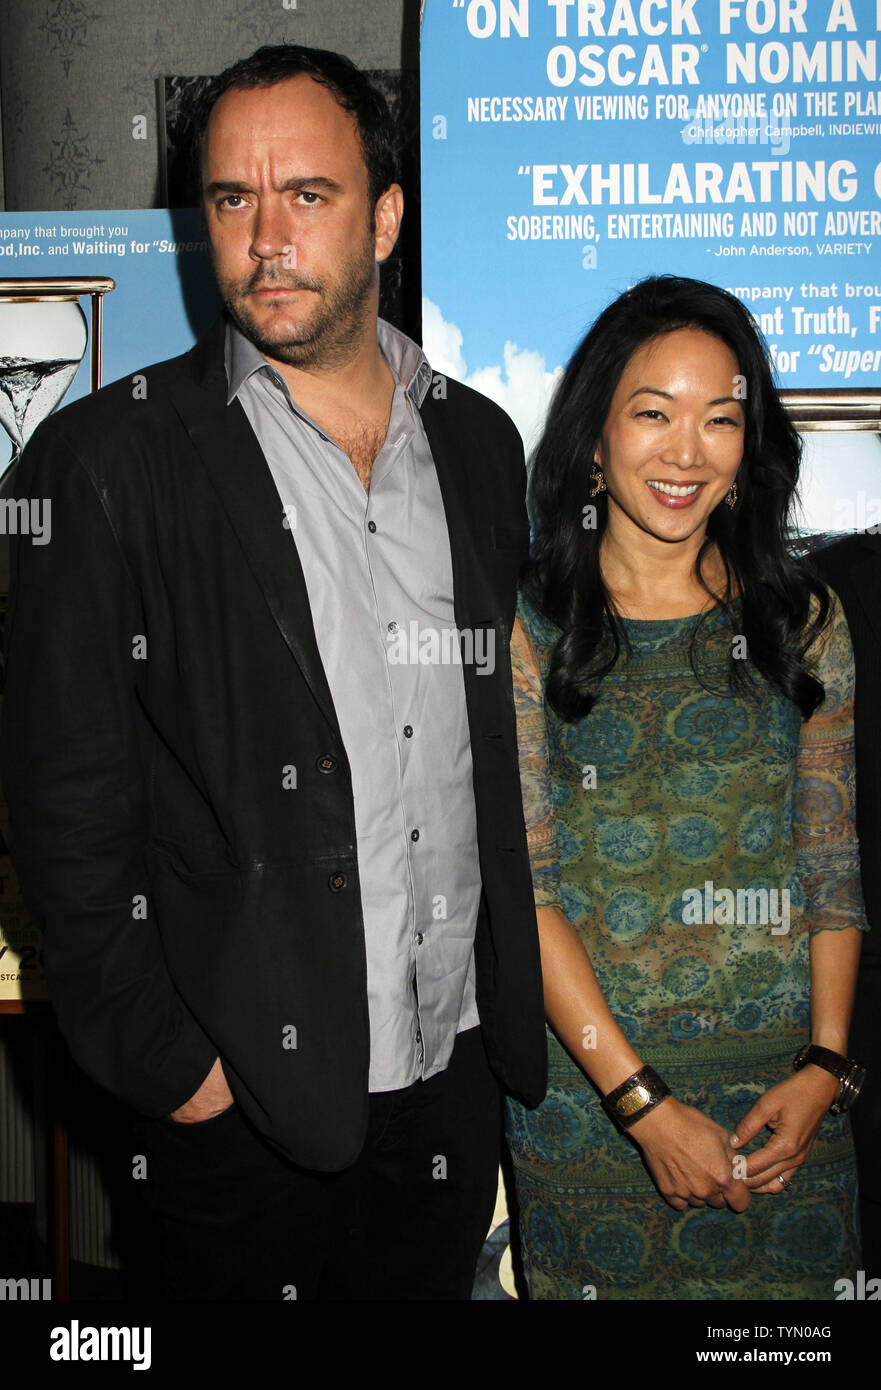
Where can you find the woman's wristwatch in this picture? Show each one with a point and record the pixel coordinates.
(845, 1069)
(635, 1097)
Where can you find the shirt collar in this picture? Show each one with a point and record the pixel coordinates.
(407, 362)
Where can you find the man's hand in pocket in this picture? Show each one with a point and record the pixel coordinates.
(212, 1098)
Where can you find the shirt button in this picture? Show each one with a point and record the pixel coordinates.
(419, 938)
(408, 731)
(414, 835)
(371, 527)
(336, 883)
(326, 763)
(392, 627)
(419, 1035)
(323, 436)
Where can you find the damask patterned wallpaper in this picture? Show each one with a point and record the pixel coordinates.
(75, 76)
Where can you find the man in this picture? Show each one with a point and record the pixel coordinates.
(268, 813)
(852, 566)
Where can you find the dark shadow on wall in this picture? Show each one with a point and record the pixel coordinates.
(198, 290)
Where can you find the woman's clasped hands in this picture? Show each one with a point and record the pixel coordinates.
(695, 1162)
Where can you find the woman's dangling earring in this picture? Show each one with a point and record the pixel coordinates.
(731, 494)
(596, 477)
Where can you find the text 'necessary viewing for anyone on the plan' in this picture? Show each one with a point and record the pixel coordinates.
(571, 147)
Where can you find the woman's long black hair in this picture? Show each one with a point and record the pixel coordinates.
(564, 579)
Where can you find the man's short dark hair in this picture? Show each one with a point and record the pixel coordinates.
(355, 94)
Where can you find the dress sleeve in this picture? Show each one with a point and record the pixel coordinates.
(535, 781)
(824, 825)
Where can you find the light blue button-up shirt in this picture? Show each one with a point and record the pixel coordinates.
(380, 582)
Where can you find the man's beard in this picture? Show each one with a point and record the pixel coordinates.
(329, 336)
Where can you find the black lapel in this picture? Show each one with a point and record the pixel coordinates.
(865, 574)
(240, 474)
(447, 434)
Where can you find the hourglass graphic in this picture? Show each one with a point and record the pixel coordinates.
(43, 339)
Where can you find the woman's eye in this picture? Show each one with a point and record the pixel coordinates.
(650, 415)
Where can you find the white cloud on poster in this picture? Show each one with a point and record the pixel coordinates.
(521, 385)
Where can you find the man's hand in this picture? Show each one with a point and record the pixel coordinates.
(689, 1158)
(212, 1098)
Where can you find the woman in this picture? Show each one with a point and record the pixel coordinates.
(684, 695)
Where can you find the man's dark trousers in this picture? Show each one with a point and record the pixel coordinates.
(235, 1220)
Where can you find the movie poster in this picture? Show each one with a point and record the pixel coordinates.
(570, 147)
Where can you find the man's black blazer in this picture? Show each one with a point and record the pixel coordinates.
(162, 682)
(852, 567)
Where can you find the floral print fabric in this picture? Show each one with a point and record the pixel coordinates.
(695, 835)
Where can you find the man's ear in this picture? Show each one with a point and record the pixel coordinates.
(387, 216)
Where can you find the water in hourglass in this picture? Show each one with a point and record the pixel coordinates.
(42, 343)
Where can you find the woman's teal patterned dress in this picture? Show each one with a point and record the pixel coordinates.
(666, 788)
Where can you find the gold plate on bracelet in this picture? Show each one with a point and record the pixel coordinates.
(634, 1100)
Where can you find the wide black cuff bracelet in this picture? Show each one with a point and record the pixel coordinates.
(635, 1097)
